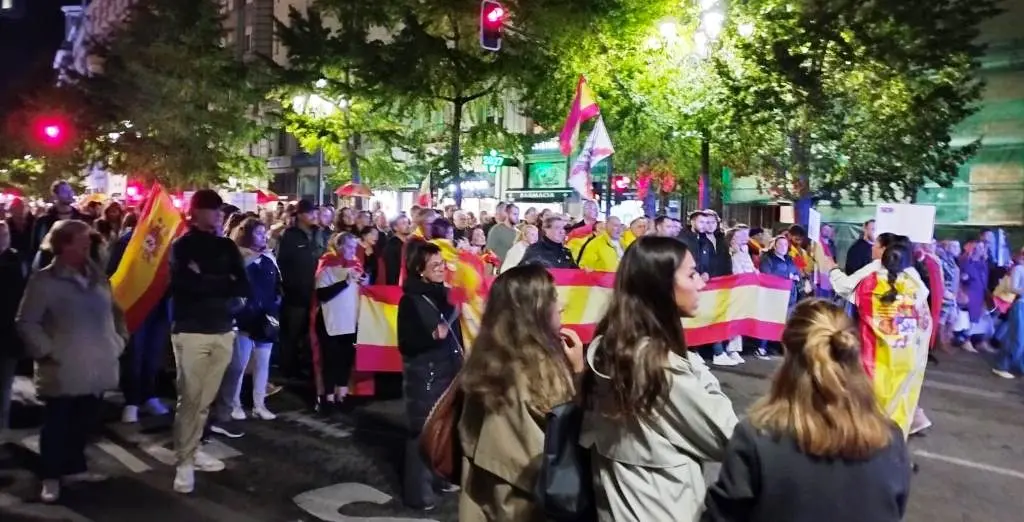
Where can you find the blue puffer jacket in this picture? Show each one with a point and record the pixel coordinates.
(783, 267)
(264, 294)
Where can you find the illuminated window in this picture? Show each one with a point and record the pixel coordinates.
(248, 38)
(6, 4)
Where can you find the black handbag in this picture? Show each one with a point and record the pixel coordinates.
(565, 485)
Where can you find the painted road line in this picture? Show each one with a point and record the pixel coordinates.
(970, 464)
(133, 463)
(220, 450)
(31, 443)
(325, 503)
(160, 454)
(316, 425)
(967, 390)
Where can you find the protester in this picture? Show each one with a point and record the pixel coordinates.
(602, 251)
(974, 274)
(430, 341)
(892, 303)
(258, 324)
(665, 226)
(637, 228)
(859, 253)
(549, 251)
(502, 235)
(952, 327)
(208, 282)
(776, 262)
(338, 276)
(738, 239)
(519, 368)
(657, 413)
(367, 252)
(73, 329)
(525, 236)
(1011, 334)
(21, 224)
(588, 218)
(816, 432)
(298, 253)
(109, 226)
(12, 280)
(63, 208)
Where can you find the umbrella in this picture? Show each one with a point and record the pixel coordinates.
(354, 190)
(264, 196)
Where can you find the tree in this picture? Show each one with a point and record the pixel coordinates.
(413, 60)
(853, 98)
(172, 103)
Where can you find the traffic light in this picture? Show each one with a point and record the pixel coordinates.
(619, 186)
(492, 19)
(51, 132)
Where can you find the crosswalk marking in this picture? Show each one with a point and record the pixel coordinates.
(123, 456)
(316, 425)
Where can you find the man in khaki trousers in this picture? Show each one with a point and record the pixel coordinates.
(208, 285)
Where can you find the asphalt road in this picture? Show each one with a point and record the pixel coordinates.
(346, 468)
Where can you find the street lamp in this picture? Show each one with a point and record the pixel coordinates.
(317, 106)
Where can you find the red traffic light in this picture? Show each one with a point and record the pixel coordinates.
(620, 183)
(50, 131)
(492, 19)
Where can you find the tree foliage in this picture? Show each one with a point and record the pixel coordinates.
(850, 97)
(172, 102)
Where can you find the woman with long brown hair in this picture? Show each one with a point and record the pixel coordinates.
(656, 413)
(817, 431)
(519, 368)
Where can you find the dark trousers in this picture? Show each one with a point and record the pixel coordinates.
(142, 362)
(68, 422)
(337, 356)
(293, 354)
(425, 380)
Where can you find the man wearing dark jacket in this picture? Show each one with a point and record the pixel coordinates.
(298, 253)
(549, 251)
(390, 261)
(12, 281)
(208, 283)
(63, 208)
(859, 254)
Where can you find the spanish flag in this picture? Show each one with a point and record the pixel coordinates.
(582, 109)
(752, 305)
(143, 274)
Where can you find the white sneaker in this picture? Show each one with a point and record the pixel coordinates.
(206, 463)
(156, 408)
(185, 478)
(238, 414)
(51, 491)
(262, 413)
(723, 359)
(737, 357)
(130, 414)
(1004, 374)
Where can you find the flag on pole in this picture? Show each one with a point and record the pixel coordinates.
(597, 147)
(423, 198)
(143, 274)
(583, 108)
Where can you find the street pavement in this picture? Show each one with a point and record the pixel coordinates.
(346, 468)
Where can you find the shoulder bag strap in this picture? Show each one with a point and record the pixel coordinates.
(583, 248)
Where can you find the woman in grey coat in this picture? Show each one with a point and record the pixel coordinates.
(73, 329)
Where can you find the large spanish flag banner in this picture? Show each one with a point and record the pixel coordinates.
(752, 305)
(143, 274)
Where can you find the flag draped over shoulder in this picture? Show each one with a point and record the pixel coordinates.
(597, 147)
(142, 276)
(752, 305)
(584, 107)
(423, 197)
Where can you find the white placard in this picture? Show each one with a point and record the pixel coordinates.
(786, 214)
(813, 225)
(917, 222)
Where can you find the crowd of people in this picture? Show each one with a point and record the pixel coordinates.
(280, 288)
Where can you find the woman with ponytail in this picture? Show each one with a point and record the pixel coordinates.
(816, 432)
(895, 325)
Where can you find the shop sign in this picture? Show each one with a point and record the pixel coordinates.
(538, 195)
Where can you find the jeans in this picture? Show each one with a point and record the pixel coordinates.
(142, 362)
(425, 380)
(8, 365)
(201, 360)
(231, 386)
(68, 422)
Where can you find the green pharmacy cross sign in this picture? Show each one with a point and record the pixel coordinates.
(492, 161)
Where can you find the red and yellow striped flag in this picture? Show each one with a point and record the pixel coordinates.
(143, 274)
(752, 305)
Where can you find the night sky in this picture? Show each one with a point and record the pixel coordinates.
(27, 47)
